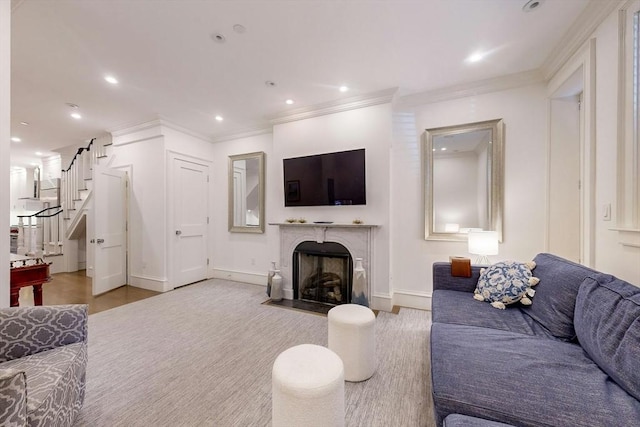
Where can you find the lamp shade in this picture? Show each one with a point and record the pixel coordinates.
(483, 242)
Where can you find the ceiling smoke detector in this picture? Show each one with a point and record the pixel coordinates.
(72, 105)
(269, 83)
(532, 5)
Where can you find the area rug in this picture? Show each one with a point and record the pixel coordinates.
(202, 356)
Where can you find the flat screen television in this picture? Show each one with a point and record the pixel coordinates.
(325, 179)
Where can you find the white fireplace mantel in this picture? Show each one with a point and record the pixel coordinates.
(357, 238)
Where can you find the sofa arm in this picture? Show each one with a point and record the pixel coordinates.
(13, 398)
(443, 280)
(30, 330)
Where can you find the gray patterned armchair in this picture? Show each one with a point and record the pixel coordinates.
(43, 359)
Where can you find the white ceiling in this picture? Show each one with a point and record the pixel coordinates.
(169, 66)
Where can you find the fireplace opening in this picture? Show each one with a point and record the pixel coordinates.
(322, 273)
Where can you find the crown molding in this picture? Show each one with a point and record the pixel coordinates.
(158, 121)
(131, 127)
(479, 87)
(578, 33)
(245, 133)
(338, 106)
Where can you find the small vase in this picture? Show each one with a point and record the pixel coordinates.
(359, 285)
(276, 286)
(272, 271)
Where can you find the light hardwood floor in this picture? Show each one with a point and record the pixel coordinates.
(75, 288)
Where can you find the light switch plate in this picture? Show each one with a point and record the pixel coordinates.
(606, 212)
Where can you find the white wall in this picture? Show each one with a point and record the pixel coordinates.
(248, 254)
(144, 155)
(610, 255)
(369, 128)
(524, 113)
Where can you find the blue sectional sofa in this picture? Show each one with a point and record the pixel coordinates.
(572, 358)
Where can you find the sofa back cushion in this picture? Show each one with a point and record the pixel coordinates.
(555, 299)
(607, 322)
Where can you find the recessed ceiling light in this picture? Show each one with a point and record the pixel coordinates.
(15, 139)
(443, 149)
(76, 116)
(289, 101)
(38, 153)
(343, 88)
(111, 79)
(532, 5)
(239, 28)
(24, 123)
(475, 57)
(219, 118)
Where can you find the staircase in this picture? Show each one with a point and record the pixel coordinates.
(76, 186)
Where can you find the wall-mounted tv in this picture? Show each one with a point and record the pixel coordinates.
(325, 179)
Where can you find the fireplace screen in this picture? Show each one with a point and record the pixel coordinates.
(322, 273)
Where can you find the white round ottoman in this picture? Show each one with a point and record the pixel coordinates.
(352, 337)
(308, 388)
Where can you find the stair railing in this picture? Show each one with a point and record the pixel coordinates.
(40, 227)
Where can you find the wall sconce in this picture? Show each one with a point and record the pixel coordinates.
(482, 244)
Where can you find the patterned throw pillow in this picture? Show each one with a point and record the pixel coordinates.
(505, 283)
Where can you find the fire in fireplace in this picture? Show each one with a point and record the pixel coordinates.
(322, 273)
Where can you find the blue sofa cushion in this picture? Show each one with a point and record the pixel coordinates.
(460, 308)
(458, 420)
(555, 300)
(607, 322)
(523, 380)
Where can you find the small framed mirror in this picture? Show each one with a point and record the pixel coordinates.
(463, 179)
(246, 193)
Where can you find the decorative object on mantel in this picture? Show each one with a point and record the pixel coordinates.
(358, 221)
(272, 272)
(359, 284)
(276, 286)
(291, 220)
(302, 220)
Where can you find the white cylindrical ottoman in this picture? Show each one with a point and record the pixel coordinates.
(352, 337)
(308, 388)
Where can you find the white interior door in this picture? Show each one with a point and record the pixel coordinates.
(190, 234)
(110, 229)
(564, 178)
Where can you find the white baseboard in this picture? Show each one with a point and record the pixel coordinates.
(412, 299)
(382, 302)
(240, 276)
(150, 283)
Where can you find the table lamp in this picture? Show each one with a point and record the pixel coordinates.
(482, 244)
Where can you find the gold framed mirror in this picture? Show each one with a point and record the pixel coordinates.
(246, 193)
(463, 179)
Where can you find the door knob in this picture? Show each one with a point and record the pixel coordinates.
(98, 241)
(178, 232)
